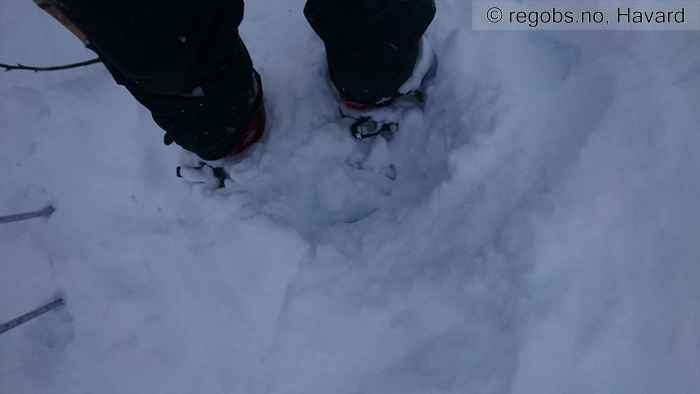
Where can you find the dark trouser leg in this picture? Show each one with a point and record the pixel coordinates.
(185, 62)
(371, 45)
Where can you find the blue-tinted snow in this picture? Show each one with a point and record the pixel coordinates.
(541, 235)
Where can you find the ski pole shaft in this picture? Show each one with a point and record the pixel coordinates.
(18, 321)
(44, 212)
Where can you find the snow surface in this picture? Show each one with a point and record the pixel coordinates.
(541, 235)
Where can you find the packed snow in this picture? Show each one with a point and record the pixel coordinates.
(535, 230)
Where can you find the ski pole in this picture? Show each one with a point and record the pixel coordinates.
(44, 212)
(18, 321)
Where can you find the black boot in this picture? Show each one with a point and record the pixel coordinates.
(371, 45)
(185, 63)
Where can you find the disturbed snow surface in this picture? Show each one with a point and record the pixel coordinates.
(541, 235)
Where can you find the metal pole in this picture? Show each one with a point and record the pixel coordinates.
(44, 212)
(18, 321)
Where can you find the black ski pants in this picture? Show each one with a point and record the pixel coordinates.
(187, 64)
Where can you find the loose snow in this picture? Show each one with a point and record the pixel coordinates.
(540, 235)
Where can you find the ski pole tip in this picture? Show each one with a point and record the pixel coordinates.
(48, 211)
